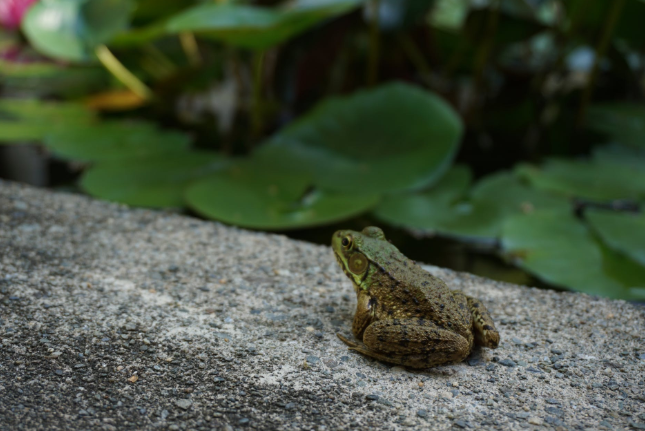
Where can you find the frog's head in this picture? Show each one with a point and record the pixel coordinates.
(354, 251)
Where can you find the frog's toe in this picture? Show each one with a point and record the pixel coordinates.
(351, 344)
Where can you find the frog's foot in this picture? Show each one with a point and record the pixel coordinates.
(352, 344)
(483, 326)
(412, 361)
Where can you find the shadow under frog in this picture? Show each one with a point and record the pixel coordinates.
(404, 314)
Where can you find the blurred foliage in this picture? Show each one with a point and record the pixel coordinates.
(513, 127)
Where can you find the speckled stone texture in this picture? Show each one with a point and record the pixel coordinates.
(114, 318)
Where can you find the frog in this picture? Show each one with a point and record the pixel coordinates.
(405, 315)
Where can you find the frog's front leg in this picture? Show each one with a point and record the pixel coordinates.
(483, 326)
(363, 316)
(415, 343)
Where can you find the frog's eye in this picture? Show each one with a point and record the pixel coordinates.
(347, 242)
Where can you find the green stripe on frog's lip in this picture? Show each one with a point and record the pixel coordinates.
(342, 265)
(350, 275)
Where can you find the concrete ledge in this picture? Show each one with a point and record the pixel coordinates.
(113, 318)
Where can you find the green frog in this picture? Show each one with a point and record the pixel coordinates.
(404, 314)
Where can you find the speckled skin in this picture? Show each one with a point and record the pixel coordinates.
(404, 314)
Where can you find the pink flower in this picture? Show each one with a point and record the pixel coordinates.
(12, 11)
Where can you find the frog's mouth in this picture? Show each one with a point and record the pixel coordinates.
(349, 275)
(342, 266)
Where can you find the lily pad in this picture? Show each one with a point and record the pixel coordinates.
(254, 196)
(622, 122)
(623, 232)
(620, 155)
(595, 180)
(514, 196)
(114, 141)
(560, 250)
(256, 27)
(71, 29)
(41, 79)
(627, 271)
(158, 181)
(431, 209)
(25, 120)
(480, 218)
(392, 138)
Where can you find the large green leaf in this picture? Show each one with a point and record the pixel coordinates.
(513, 196)
(620, 155)
(40, 79)
(560, 250)
(429, 210)
(25, 120)
(392, 138)
(71, 29)
(114, 141)
(596, 180)
(492, 200)
(256, 27)
(623, 232)
(622, 122)
(256, 196)
(625, 270)
(157, 181)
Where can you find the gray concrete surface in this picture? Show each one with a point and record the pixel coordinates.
(114, 318)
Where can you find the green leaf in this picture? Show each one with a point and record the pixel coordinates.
(256, 196)
(492, 200)
(620, 155)
(622, 122)
(560, 250)
(623, 232)
(595, 180)
(158, 181)
(624, 270)
(431, 209)
(25, 120)
(41, 79)
(71, 29)
(449, 15)
(391, 138)
(114, 141)
(256, 27)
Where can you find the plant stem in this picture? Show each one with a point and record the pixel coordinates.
(191, 49)
(481, 58)
(162, 64)
(415, 56)
(373, 60)
(601, 49)
(257, 117)
(121, 73)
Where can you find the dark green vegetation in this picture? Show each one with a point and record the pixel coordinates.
(515, 127)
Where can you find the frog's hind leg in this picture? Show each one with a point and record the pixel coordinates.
(414, 343)
(483, 326)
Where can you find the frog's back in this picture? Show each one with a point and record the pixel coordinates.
(405, 290)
